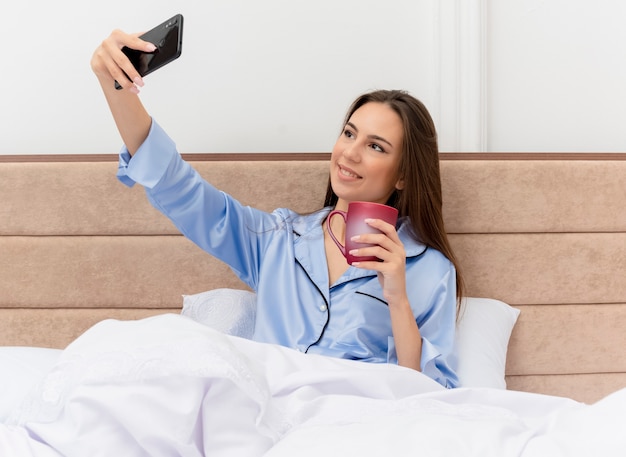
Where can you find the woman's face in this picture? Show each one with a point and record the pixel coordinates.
(365, 161)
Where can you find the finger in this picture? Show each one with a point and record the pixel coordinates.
(126, 73)
(378, 239)
(373, 251)
(380, 266)
(133, 41)
(118, 70)
(121, 40)
(368, 265)
(385, 227)
(119, 65)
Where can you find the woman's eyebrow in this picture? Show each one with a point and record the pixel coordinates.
(373, 137)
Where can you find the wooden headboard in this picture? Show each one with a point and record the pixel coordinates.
(543, 232)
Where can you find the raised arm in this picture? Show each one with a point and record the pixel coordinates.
(109, 64)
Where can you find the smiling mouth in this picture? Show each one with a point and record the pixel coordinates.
(347, 173)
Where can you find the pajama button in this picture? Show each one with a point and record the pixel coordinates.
(323, 308)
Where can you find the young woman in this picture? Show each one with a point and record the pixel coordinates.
(399, 310)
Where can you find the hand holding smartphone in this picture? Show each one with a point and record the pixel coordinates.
(168, 39)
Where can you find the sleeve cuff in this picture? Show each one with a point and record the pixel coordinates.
(148, 165)
(429, 366)
(442, 374)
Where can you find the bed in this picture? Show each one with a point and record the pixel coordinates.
(85, 261)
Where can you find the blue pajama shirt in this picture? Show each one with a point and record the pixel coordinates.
(281, 256)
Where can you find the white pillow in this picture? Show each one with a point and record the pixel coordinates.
(22, 369)
(482, 336)
(230, 311)
(482, 340)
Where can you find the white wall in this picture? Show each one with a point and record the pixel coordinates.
(272, 75)
(557, 75)
(278, 75)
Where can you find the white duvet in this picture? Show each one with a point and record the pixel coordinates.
(168, 386)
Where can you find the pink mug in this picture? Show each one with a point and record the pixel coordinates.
(356, 225)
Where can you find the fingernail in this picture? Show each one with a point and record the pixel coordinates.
(134, 90)
(353, 252)
(368, 220)
(150, 47)
(138, 81)
(355, 238)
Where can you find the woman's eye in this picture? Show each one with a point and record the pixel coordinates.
(377, 147)
(348, 134)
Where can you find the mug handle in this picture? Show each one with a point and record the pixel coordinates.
(343, 214)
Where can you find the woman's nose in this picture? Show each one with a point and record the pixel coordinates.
(352, 152)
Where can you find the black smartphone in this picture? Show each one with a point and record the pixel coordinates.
(168, 39)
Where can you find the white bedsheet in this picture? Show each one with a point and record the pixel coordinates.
(168, 386)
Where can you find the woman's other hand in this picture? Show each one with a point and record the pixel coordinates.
(390, 250)
(110, 64)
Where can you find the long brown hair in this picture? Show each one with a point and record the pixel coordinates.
(421, 197)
